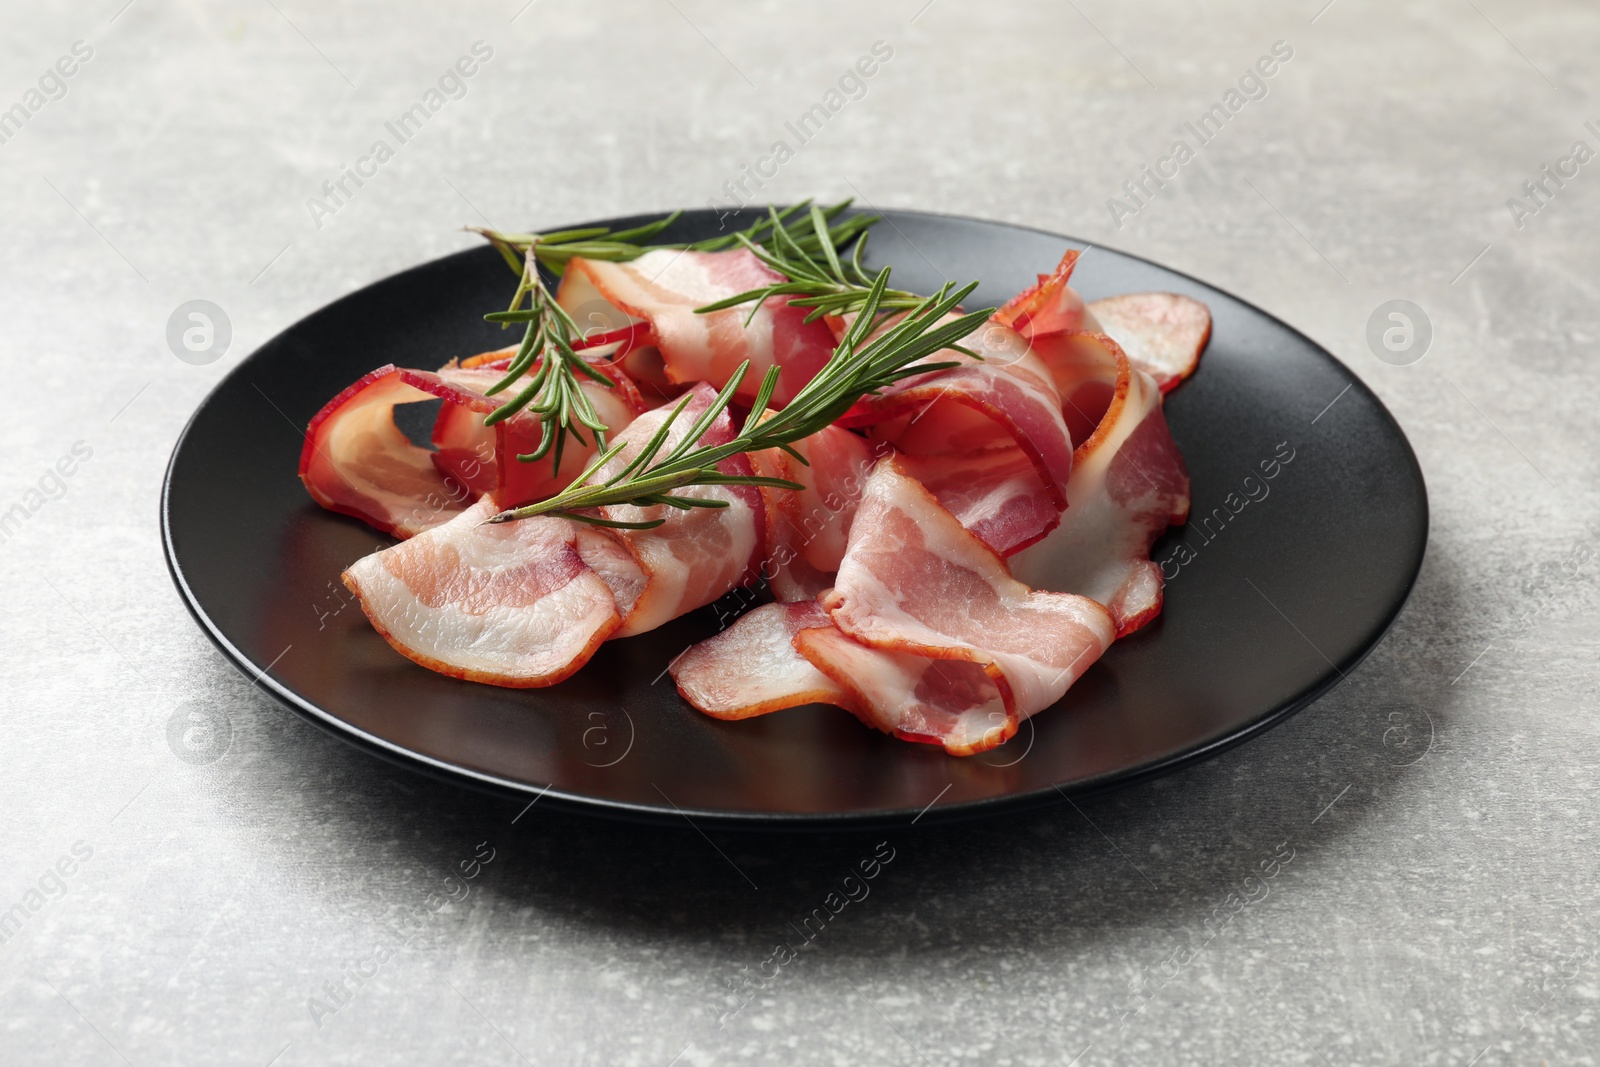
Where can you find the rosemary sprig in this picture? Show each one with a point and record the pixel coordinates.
(864, 362)
(554, 250)
(818, 277)
(553, 392)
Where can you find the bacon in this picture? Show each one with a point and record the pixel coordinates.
(807, 529)
(665, 287)
(984, 420)
(1050, 306)
(1163, 333)
(926, 636)
(1128, 484)
(752, 668)
(526, 603)
(356, 461)
(511, 604)
(947, 702)
(995, 493)
(695, 556)
(910, 561)
(459, 432)
(770, 658)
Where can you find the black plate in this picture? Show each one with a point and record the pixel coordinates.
(1277, 601)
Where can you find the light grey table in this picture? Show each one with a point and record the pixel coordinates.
(261, 893)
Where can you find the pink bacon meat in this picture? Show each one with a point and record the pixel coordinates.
(988, 436)
(887, 638)
(356, 461)
(526, 603)
(1162, 333)
(664, 287)
(1128, 484)
(511, 604)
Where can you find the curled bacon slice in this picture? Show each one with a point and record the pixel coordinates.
(460, 436)
(1128, 484)
(1050, 306)
(910, 560)
(982, 421)
(511, 604)
(898, 654)
(947, 702)
(1162, 333)
(807, 529)
(665, 287)
(356, 461)
(526, 603)
(752, 667)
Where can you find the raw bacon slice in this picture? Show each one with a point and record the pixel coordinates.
(356, 461)
(1163, 333)
(764, 663)
(461, 438)
(995, 493)
(510, 604)
(952, 703)
(664, 287)
(915, 580)
(695, 556)
(927, 637)
(752, 667)
(1049, 306)
(807, 529)
(986, 417)
(1128, 484)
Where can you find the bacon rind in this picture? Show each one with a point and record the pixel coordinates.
(665, 287)
(510, 605)
(1050, 305)
(1163, 333)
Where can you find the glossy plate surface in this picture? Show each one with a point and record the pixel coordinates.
(1286, 582)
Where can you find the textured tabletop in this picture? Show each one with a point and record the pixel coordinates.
(1405, 873)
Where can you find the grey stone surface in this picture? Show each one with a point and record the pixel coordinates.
(1440, 903)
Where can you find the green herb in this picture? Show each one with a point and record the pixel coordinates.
(553, 391)
(555, 249)
(862, 363)
(818, 277)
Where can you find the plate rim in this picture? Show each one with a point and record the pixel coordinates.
(629, 811)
